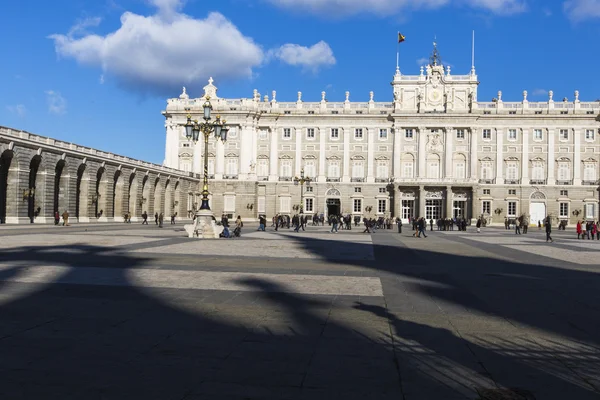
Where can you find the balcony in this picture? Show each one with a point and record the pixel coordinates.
(285, 178)
(537, 182)
(211, 176)
(512, 181)
(382, 180)
(230, 176)
(591, 183)
(486, 181)
(333, 179)
(564, 182)
(262, 178)
(357, 180)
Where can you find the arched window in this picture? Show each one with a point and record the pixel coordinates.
(358, 169)
(408, 163)
(589, 172)
(310, 169)
(460, 166)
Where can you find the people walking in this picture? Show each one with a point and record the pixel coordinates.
(145, 218)
(156, 218)
(548, 230)
(421, 226)
(399, 224)
(478, 225)
(65, 216)
(160, 220)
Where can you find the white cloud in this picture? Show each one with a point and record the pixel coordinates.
(310, 58)
(80, 28)
(162, 52)
(539, 92)
(422, 61)
(56, 103)
(101, 79)
(18, 110)
(390, 7)
(579, 10)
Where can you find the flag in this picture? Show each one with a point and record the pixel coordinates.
(401, 38)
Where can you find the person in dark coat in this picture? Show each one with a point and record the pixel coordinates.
(548, 231)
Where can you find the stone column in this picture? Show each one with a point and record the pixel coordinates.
(245, 151)
(370, 155)
(220, 167)
(475, 208)
(346, 159)
(473, 153)
(577, 157)
(421, 211)
(198, 160)
(449, 152)
(551, 157)
(525, 158)
(397, 155)
(499, 157)
(422, 154)
(449, 202)
(274, 155)
(173, 133)
(323, 132)
(298, 156)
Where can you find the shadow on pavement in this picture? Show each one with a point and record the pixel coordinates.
(72, 341)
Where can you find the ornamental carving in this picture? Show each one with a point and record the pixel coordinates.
(434, 142)
(407, 193)
(538, 196)
(459, 195)
(333, 193)
(435, 194)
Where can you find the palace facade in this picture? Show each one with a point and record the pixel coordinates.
(434, 151)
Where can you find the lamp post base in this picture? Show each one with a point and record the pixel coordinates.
(204, 227)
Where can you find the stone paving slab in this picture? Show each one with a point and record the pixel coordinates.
(571, 256)
(65, 241)
(199, 280)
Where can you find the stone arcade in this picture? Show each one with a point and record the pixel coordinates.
(39, 176)
(434, 151)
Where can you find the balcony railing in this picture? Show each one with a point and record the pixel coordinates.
(512, 181)
(211, 176)
(486, 181)
(357, 180)
(537, 181)
(285, 178)
(333, 179)
(230, 176)
(592, 183)
(381, 180)
(262, 178)
(564, 182)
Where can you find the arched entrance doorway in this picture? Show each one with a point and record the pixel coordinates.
(537, 207)
(5, 170)
(32, 210)
(333, 202)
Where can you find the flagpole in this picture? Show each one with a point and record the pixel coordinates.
(398, 53)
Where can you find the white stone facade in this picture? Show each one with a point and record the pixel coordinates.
(434, 151)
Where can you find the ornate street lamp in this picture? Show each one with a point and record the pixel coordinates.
(205, 225)
(302, 180)
(192, 132)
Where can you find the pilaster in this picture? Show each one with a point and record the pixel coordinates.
(323, 132)
(421, 153)
(245, 151)
(346, 159)
(499, 157)
(197, 160)
(449, 202)
(449, 152)
(274, 154)
(421, 211)
(370, 155)
(298, 156)
(577, 157)
(473, 153)
(396, 155)
(551, 157)
(525, 158)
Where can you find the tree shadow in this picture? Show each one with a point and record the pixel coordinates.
(93, 332)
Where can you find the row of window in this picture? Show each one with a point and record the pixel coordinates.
(538, 171)
(409, 133)
(563, 209)
(309, 205)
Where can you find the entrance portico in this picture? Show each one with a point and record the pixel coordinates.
(435, 202)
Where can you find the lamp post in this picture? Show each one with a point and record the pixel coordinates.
(204, 216)
(302, 180)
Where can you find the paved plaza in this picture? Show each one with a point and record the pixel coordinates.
(125, 311)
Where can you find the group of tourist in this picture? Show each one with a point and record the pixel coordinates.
(237, 230)
(588, 229)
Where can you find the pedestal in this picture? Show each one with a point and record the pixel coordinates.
(205, 226)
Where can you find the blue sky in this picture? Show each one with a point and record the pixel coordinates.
(98, 72)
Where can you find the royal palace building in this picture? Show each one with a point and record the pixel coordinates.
(434, 151)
